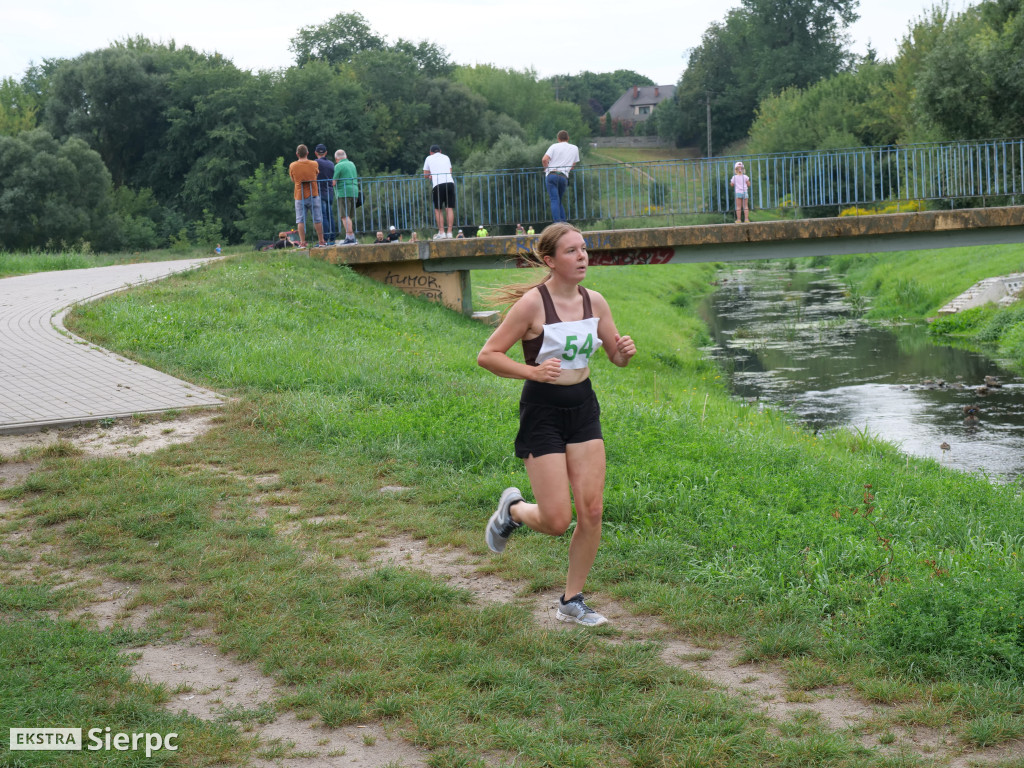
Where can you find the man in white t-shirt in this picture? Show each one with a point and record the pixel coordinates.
(558, 161)
(438, 168)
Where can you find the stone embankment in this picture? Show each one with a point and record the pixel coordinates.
(997, 290)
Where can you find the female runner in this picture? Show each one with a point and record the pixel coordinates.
(561, 326)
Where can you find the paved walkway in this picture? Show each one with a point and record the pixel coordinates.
(51, 378)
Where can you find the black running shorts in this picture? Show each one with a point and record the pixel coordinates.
(444, 195)
(551, 416)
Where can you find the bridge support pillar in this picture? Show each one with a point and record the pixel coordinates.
(449, 288)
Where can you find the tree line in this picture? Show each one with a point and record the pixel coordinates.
(145, 144)
(142, 144)
(778, 77)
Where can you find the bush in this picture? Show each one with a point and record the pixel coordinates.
(961, 323)
(136, 212)
(893, 206)
(998, 322)
(268, 207)
(209, 231)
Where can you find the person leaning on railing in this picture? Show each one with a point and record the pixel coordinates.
(346, 190)
(303, 173)
(558, 161)
(438, 168)
(325, 182)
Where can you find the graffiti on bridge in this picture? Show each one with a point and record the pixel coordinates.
(411, 282)
(631, 256)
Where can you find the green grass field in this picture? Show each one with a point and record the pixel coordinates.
(48, 261)
(641, 154)
(834, 556)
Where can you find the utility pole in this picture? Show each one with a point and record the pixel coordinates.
(707, 101)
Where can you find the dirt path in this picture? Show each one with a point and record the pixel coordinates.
(208, 684)
(765, 686)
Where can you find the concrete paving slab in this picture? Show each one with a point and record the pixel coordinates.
(51, 378)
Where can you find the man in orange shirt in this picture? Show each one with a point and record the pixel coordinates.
(307, 197)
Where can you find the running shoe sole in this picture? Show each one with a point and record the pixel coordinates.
(495, 541)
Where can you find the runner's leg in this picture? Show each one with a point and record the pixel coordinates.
(581, 467)
(549, 479)
(586, 465)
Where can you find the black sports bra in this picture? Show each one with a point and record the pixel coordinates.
(531, 347)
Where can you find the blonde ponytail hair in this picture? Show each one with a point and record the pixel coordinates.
(546, 245)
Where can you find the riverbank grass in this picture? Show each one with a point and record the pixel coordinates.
(834, 555)
(914, 285)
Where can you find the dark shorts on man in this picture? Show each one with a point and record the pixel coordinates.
(551, 416)
(347, 207)
(444, 195)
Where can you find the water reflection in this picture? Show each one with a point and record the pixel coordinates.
(790, 338)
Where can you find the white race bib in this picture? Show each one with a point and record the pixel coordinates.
(575, 342)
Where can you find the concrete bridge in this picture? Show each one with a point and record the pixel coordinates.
(439, 270)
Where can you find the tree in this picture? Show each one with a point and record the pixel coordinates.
(456, 119)
(115, 100)
(528, 101)
(335, 41)
(221, 123)
(508, 152)
(432, 59)
(796, 42)
(326, 104)
(185, 125)
(595, 92)
(759, 49)
(848, 110)
(915, 47)
(267, 208)
(137, 214)
(54, 194)
(18, 108)
(524, 197)
(969, 86)
(391, 79)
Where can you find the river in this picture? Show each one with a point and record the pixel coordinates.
(792, 339)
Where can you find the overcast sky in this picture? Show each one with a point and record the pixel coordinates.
(649, 36)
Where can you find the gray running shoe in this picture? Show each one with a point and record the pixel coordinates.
(501, 524)
(574, 609)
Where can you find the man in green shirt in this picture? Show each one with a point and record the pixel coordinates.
(346, 190)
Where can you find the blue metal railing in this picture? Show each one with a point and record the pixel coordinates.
(965, 174)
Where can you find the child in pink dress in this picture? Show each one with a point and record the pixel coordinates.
(740, 182)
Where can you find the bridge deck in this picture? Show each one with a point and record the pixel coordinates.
(439, 269)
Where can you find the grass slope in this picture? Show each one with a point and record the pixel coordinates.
(833, 554)
(641, 154)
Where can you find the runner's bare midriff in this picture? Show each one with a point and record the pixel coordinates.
(567, 377)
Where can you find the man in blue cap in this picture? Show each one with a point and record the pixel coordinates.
(325, 178)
